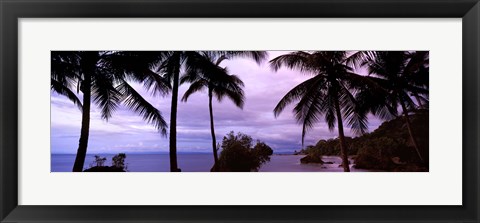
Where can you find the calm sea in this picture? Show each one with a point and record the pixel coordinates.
(196, 163)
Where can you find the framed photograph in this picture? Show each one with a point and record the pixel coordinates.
(227, 111)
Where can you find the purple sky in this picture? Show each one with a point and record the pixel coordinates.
(127, 132)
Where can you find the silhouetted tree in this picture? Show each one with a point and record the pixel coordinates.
(118, 161)
(218, 82)
(238, 155)
(172, 63)
(99, 161)
(328, 93)
(102, 77)
(400, 74)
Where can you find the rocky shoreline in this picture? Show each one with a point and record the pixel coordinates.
(388, 148)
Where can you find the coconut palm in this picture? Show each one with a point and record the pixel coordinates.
(401, 74)
(417, 72)
(218, 82)
(170, 68)
(327, 93)
(102, 77)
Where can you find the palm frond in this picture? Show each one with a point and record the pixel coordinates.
(138, 66)
(372, 94)
(195, 87)
(65, 91)
(220, 59)
(231, 90)
(310, 115)
(257, 56)
(296, 61)
(294, 94)
(65, 66)
(417, 60)
(105, 95)
(358, 59)
(400, 74)
(330, 114)
(404, 96)
(171, 66)
(189, 76)
(354, 113)
(202, 70)
(134, 101)
(157, 84)
(378, 101)
(309, 108)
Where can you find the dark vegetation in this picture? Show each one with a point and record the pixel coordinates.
(313, 155)
(327, 94)
(240, 155)
(199, 67)
(334, 93)
(103, 78)
(339, 96)
(118, 164)
(391, 148)
(219, 83)
(387, 148)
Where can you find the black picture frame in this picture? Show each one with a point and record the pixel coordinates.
(12, 10)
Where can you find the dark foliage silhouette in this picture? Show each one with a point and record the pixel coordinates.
(102, 78)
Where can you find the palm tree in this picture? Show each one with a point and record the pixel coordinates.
(417, 71)
(170, 67)
(328, 93)
(401, 74)
(218, 82)
(103, 77)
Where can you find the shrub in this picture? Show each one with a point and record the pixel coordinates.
(238, 155)
(377, 154)
(261, 153)
(230, 139)
(99, 161)
(118, 161)
(118, 164)
(331, 147)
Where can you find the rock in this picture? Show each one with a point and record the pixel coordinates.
(104, 169)
(397, 161)
(301, 152)
(367, 161)
(410, 168)
(311, 159)
(341, 165)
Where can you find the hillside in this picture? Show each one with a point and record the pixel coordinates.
(386, 148)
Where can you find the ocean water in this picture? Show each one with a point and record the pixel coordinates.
(139, 162)
(198, 163)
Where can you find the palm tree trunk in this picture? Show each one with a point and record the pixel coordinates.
(410, 131)
(212, 129)
(83, 142)
(173, 123)
(341, 136)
